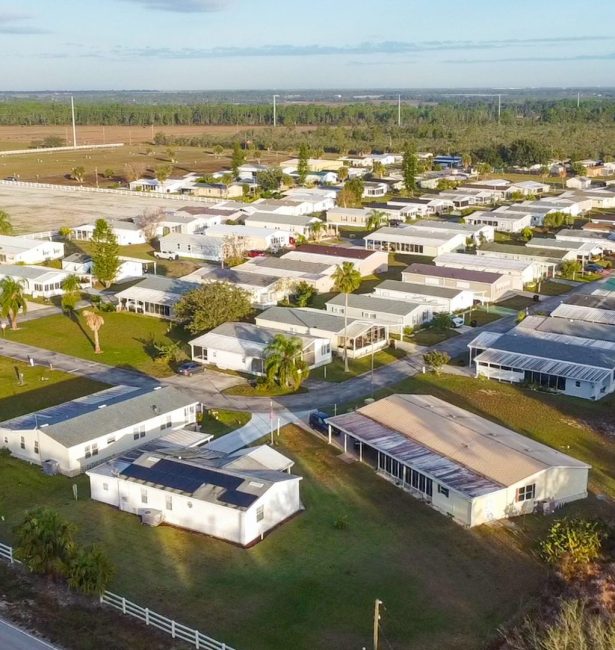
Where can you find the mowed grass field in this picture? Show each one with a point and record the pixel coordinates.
(125, 339)
(312, 582)
(41, 388)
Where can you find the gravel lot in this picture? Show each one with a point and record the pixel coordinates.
(41, 209)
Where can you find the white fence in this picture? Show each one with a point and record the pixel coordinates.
(169, 626)
(186, 198)
(12, 152)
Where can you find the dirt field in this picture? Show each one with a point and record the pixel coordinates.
(38, 210)
(18, 137)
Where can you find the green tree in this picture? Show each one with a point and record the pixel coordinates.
(238, 157)
(442, 321)
(94, 321)
(270, 179)
(378, 169)
(316, 229)
(570, 268)
(163, 173)
(90, 571)
(78, 174)
(284, 363)
(168, 352)
(409, 168)
(303, 165)
(211, 305)
(71, 287)
(304, 292)
(105, 253)
(342, 174)
(66, 233)
(346, 280)
(6, 228)
(527, 233)
(555, 220)
(44, 542)
(571, 545)
(12, 299)
(376, 220)
(218, 150)
(435, 359)
(351, 194)
(109, 173)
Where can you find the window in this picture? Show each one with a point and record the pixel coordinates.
(110, 440)
(577, 384)
(169, 502)
(138, 432)
(94, 449)
(22, 442)
(87, 451)
(143, 495)
(260, 513)
(526, 492)
(443, 491)
(36, 446)
(106, 487)
(325, 349)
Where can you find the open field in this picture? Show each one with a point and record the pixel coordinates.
(42, 388)
(312, 582)
(125, 339)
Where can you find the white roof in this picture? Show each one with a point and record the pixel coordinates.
(481, 262)
(415, 236)
(10, 244)
(224, 230)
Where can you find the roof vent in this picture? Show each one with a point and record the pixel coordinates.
(157, 387)
(102, 406)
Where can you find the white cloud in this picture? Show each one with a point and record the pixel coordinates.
(184, 6)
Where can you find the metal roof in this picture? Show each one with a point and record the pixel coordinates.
(239, 277)
(304, 317)
(582, 329)
(377, 304)
(157, 288)
(464, 451)
(521, 251)
(596, 301)
(589, 314)
(456, 274)
(545, 242)
(482, 262)
(413, 235)
(282, 219)
(287, 264)
(552, 357)
(419, 289)
(335, 251)
(38, 273)
(101, 413)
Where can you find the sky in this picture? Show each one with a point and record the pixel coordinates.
(329, 44)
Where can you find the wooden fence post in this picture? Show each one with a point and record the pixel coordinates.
(123, 605)
(173, 629)
(147, 616)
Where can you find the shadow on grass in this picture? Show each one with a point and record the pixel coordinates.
(72, 315)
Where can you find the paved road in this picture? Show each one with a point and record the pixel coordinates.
(208, 387)
(13, 638)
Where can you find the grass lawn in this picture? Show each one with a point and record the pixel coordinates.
(219, 422)
(335, 370)
(518, 303)
(577, 427)
(550, 288)
(310, 584)
(482, 316)
(432, 336)
(126, 339)
(42, 388)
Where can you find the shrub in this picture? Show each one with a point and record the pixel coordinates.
(435, 359)
(571, 545)
(90, 571)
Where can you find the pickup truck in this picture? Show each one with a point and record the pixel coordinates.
(165, 255)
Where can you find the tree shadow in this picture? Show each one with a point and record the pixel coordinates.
(72, 315)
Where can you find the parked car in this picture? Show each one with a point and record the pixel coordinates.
(255, 254)
(10, 178)
(317, 422)
(594, 268)
(189, 368)
(164, 255)
(457, 321)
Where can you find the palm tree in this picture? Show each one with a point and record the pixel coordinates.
(376, 219)
(12, 299)
(94, 322)
(71, 286)
(346, 279)
(45, 542)
(90, 571)
(284, 363)
(6, 228)
(317, 229)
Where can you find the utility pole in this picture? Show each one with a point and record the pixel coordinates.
(377, 605)
(399, 110)
(72, 110)
(499, 107)
(275, 117)
(578, 99)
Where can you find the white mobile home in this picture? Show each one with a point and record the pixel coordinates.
(521, 272)
(316, 274)
(439, 298)
(238, 497)
(126, 231)
(198, 247)
(38, 281)
(155, 295)
(296, 224)
(249, 237)
(464, 466)
(366, 262)
(76, 435)
(413, 241)
(24, 250)
(242, 347)
(501, 221)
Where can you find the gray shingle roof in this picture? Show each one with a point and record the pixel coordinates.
(457, 274)
(419, 289)
(298, 317)
(383, 305)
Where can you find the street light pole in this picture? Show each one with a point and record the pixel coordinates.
(275, 118)
(377, 606)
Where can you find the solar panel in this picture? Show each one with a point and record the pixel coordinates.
(240, 499)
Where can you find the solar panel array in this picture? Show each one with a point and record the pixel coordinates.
(188, 479)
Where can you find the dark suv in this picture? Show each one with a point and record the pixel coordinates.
(317, 422)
